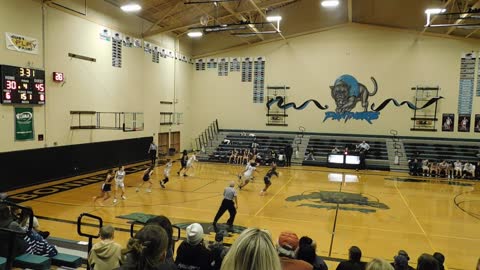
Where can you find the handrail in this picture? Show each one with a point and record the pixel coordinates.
(90, 236)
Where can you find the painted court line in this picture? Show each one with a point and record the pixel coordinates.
(273, 197)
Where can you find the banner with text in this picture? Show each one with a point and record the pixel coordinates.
(19, 43)
(23, 124)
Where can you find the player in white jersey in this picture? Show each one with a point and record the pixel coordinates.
(190, 162)
(247, 175)
(166, 173)
(119, 183)
(457, 167)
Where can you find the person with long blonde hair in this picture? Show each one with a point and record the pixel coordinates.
(253, 249)
(379, 264)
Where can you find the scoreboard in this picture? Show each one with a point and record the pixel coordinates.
(22, 85)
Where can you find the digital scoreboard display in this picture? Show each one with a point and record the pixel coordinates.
(22, 85)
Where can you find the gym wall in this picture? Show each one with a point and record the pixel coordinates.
(311, 63)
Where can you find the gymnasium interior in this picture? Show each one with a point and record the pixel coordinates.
(88, 85)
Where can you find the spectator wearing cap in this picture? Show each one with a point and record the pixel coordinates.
(252, 250)
(192, 254)
(379, 264)
(353, 263)
(400, 259)
(287, 247)
(307, 252)
(441, 260)
(427, 262)
(218, 251)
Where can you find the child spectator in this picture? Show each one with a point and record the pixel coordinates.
(105, 254)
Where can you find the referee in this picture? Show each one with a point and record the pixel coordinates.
(229, 203)
(152, 150)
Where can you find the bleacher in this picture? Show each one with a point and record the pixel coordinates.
(266, 143)
(438, 151)
(377, 157)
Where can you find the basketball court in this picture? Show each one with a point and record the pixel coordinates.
(379, 211)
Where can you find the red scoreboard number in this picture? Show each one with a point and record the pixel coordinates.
(22, 85)
(58, 77)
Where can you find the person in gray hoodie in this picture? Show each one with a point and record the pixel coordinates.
(106, 254)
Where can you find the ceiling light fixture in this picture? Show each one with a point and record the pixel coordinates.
(274, 18)
(330, 3)
(131, 7)
(195, 34)
(433, 11)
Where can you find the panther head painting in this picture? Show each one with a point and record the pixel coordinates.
(347, 91)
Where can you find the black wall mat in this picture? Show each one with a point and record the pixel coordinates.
(31, 167)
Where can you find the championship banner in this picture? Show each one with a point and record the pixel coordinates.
(21, 43)
(23, 124)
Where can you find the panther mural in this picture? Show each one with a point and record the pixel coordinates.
(347, 92)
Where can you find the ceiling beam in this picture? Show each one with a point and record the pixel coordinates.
(436, 16)
(172, 9)
(463, 17)
(265, 17)
(350, 12)
(240, 17)
(176, 27)
(218, 20)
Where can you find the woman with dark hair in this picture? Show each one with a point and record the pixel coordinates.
(146, 178)
(183, 162)
(306, 252)
(353, 263)
(106, 188)
(147, 250)
(165, 223)
(427, 262)
(441, 260)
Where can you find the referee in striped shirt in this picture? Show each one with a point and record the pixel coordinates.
(229, 203)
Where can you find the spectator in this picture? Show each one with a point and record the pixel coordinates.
(165, 223)
(413, 167)
(226, 141)
(253, 249)
(106, 254)
(441, 260)
(353, 263)
(192, 253)
(478, 264)
(310, 154)
(335, 150)
(457, 169)
(287, 247)
(146, 251)
(24, 219)
(306, 252)
(400, 262)
(427, 262)
(402, 257)
(288, 154)
(218, 251)
(7, 222)
(3, 196)
(379, 264)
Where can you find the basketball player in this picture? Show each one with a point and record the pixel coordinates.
(457, 168)
(443, 167)
(146, 178)
(106, 188)
(166, 173)
(233, 156)
(247, 175)
(229, 203)
(268, 176)
(119, 183)
(183, 162)
(426, 167)
(190, 161)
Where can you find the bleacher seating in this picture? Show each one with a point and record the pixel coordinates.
(441, 151)
(377, 157)
(266, 143)
(32, 262)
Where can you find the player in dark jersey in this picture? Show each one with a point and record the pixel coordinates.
(146, 178)
(106, 188)
(183, 162)
(268, 176)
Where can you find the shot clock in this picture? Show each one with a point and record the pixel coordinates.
(22, 85)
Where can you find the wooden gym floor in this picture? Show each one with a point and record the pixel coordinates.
(381, 212)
